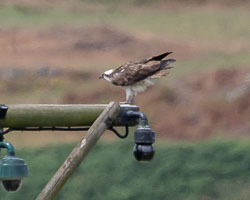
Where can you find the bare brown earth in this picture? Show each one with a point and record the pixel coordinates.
(73, 47)
(61, 65)
(205, 104)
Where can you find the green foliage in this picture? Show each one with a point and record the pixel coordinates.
(205, 24)
(206, 170)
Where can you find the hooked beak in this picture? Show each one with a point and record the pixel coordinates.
(101, 76)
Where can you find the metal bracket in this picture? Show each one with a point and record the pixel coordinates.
(130, 116)
(123, 119)
(3, 111)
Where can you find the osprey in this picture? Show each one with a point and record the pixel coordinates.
(137, 76)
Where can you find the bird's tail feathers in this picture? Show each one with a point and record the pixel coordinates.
(167, 64)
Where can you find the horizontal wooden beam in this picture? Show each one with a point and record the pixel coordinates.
(46, 115)
(21, 116)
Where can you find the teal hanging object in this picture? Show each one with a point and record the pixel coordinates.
(12, 169)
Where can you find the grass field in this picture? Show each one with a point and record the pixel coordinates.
(202, 24)
(215, 169)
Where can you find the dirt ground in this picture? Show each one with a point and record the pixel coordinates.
(205, 104)
(76, 47)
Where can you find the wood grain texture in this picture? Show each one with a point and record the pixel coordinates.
(80, 152)
(48, 115)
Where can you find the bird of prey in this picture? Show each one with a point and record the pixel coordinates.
(137, 76)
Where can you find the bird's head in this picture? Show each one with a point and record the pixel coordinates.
(101, 75)
(106, 74)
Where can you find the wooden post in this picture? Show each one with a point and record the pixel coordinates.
(79, 152)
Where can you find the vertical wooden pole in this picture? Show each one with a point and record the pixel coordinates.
(79, 152)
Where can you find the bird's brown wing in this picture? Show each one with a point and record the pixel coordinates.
(131, 73)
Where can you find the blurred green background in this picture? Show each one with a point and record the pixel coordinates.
(53, 52)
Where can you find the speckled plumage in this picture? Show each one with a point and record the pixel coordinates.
(136, 76)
